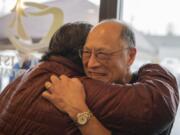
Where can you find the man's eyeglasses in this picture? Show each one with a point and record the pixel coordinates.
(100, 56)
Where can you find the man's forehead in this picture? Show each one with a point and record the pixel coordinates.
(106, 26)
(102, 44)
(99, 46)
(111, 31)
(105, 36)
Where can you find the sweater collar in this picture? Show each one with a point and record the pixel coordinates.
(66, 62)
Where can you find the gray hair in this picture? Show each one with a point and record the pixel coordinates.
(127, 35)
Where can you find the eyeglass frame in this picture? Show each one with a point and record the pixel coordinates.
(106, 55)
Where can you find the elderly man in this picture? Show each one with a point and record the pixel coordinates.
(144, 103)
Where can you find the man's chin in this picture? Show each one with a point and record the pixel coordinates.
(99, 77)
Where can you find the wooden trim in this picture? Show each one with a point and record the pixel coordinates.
(108, 9)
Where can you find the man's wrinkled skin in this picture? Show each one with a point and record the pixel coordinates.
(65, 99)
(106, 38)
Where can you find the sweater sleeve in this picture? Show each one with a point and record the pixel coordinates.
(146, 106)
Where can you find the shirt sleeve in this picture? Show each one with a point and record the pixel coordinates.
(146, 106)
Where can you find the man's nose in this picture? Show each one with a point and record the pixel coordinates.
(92, 62)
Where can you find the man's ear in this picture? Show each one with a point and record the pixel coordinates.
(132, 55)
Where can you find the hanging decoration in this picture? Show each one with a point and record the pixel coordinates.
(20, 38)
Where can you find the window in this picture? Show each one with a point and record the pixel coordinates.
(157, 28)
(74, 10)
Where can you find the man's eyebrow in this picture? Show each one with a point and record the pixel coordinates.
(85, 48)
(97, 49)
(101, 49)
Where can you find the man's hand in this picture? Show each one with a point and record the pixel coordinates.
(67, 94)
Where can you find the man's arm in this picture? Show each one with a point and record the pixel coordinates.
(60, 94)
(147, 106)
(92, 127)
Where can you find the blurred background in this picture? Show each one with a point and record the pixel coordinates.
(156, 24)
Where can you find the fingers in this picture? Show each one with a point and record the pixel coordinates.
(48, 85)
(47, 95)
(64, 77)
(76, 80)
(54, 79)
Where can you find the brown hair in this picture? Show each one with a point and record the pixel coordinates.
(67, 41)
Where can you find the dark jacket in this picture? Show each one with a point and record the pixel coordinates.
(146, 107)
